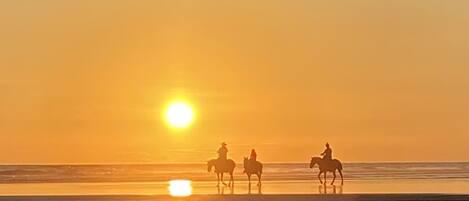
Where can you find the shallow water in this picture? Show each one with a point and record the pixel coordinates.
(241, 187)
(198, 172)
(277, 179)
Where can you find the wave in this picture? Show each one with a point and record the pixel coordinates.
(198, 172)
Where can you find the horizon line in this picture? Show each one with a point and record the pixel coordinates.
(198, 163)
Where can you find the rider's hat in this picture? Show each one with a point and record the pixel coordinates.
(327, 143)
(223, 143)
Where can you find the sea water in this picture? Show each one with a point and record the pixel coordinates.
(282, 178)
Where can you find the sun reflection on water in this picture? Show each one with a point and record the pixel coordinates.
(180, 188)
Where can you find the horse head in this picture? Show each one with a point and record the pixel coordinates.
(245, 163)
(314, 160)
(210, 164)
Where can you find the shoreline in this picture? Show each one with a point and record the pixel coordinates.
(205, 163)
(306, 187)
(267, 197)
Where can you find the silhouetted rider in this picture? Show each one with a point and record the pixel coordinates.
(327, 154)
(253, 155)
(222, 151)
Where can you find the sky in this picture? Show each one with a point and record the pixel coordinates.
(86, 81)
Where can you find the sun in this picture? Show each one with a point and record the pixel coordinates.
(179, 115)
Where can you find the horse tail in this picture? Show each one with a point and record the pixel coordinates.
(339, 166)
(233, 164)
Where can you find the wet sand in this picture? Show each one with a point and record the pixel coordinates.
(299, 197)
(241, 188)
(419, 190)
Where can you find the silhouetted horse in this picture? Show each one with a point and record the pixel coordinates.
(327, 166)
(220, 168)
(253, 167)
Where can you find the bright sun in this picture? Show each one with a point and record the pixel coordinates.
(179, 115)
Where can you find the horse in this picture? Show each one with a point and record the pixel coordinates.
(253, 167)
(327, 166)
(220, 168)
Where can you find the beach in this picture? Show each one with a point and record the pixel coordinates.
(213, 100)
(240, 188)
(278, 179)
(299, 197)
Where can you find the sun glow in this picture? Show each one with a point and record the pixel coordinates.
(180, 188)
(179, 115)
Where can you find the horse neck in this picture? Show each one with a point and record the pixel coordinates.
(315, 160)
(248, 163)
(251, 166)
(212, 162)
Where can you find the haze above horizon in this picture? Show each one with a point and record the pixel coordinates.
(87, 81)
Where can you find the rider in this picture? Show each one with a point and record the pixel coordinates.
(222, 151)
(253, 156)
(327, 154)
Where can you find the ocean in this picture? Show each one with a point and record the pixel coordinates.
(277, 178)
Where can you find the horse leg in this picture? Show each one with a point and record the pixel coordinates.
(231, 179)
(249, 177)
(325, 173)
(223, 182)
(259, 179)
(229, 182)
(332, 183)
(218, 179)
(319, 177)
(341, 177)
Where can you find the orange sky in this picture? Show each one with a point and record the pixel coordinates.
(85, 81)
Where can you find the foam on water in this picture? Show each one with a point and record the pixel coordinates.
(198, 172)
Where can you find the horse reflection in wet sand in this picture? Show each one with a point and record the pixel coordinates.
(222, 166)
(324, 189)
(253, 167)
(221, 190)
(327, 166)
